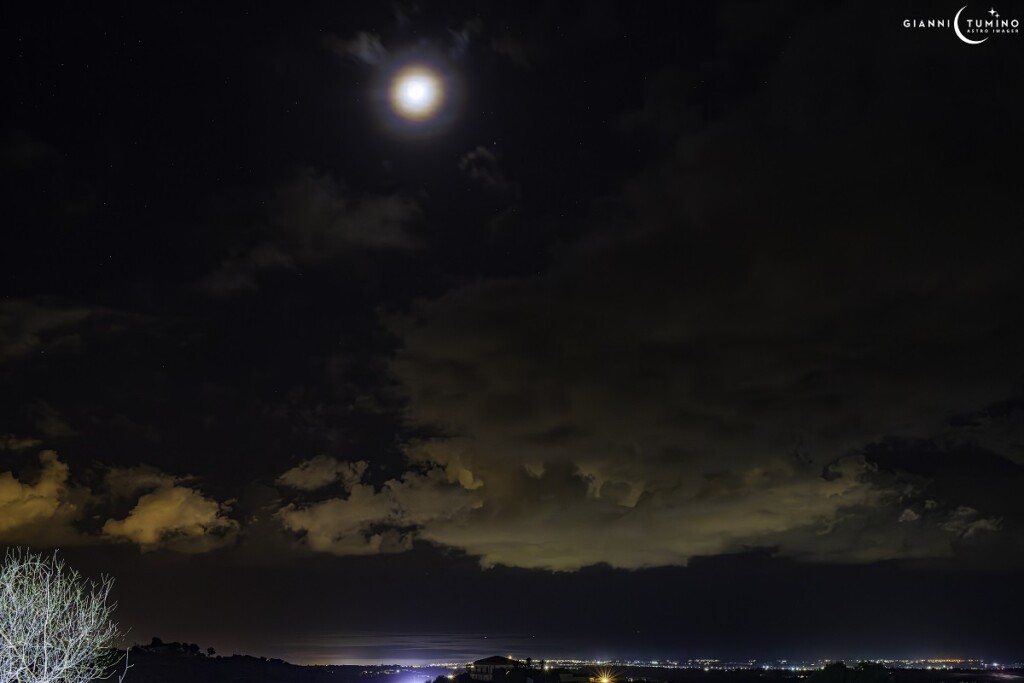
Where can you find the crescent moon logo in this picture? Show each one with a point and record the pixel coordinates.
(959, 33)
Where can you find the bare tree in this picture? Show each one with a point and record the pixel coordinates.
(55, 626)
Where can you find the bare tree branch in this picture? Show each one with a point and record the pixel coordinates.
(55, 626)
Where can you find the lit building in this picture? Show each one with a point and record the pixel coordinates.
(485, 669)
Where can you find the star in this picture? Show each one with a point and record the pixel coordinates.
(993, 12)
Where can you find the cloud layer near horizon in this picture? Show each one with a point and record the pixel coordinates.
(48, 508)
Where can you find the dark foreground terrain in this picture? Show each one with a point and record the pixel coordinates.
(185, 663)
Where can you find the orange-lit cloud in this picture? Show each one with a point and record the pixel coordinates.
(347, 526)
(177, 518)
(40, 512)
(368, 520)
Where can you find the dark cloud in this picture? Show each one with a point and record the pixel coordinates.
(48, 421)
(403, 12)
(27, 327)
(708, 365)
(463, 37)
(322, 471)
(481, 164)
(238, 272)
(521, 53)
(126, 482)
(730, 321)
(25, 152)
(314, 218)
(365, 47)
(10, 442)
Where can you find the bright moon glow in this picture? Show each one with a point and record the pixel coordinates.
(416, 93)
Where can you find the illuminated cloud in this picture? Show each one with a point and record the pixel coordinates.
(176, 518)
(449, 455)
(348, 526)
(565, 524)
(588, 443)
(370, 521)
(322, 471)
(426, 498)
(564, 519)
(909, 515)
(45, 508)
(41, 512)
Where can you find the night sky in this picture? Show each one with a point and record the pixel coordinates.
(676, 330)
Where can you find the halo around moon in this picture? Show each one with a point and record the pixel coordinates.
(416, 93)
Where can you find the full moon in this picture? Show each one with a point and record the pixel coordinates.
(416, 93)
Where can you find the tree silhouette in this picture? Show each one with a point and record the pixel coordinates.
(55, 626)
